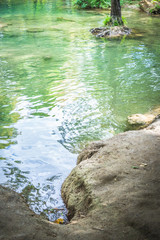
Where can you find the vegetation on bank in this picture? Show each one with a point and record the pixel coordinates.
(88, 4)
(92, 3)
(115, 18)
(156, 7)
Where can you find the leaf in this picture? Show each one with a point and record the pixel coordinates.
(135, 167)
(59, 221)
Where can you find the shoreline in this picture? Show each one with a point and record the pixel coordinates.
(110, 194)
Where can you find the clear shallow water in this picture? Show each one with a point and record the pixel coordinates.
(60, 88)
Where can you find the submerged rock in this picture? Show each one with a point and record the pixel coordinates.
(47, 58)
(111, 32)
(3, 25)
(35, 30)
(11, 34)
(61, 19)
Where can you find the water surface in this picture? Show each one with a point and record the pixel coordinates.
(60, 88)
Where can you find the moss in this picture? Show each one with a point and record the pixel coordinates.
(107, 20)
(114, 22)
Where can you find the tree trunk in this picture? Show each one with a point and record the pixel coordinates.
(116, 17)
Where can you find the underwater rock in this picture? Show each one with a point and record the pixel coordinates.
(47, 58)
(2, 25)
(35, 30)
(61, 19)
(52, 28)
(11, 34)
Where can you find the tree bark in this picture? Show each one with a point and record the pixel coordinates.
(116, 17)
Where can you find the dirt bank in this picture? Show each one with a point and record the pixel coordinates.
(113, 193)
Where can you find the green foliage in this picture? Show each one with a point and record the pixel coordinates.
(157, 6)
(155, 10)
(107, 20)
(100, 3)
(116, 23)
(124, 20)
(123, 2)
(92, 3)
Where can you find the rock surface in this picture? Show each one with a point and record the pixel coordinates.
(139, 121)
(112, 194)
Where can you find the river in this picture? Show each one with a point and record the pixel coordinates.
(60, 88)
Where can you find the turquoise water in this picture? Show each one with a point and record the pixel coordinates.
(60, 88)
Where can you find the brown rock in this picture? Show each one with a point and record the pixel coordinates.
(117, 188)
(141, 119)
(138, 121)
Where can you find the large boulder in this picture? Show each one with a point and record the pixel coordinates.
(115, 188)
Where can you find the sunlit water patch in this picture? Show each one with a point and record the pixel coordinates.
(61, 88)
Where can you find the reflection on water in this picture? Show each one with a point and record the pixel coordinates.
(61, 88)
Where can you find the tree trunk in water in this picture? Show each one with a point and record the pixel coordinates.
(116, 17)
